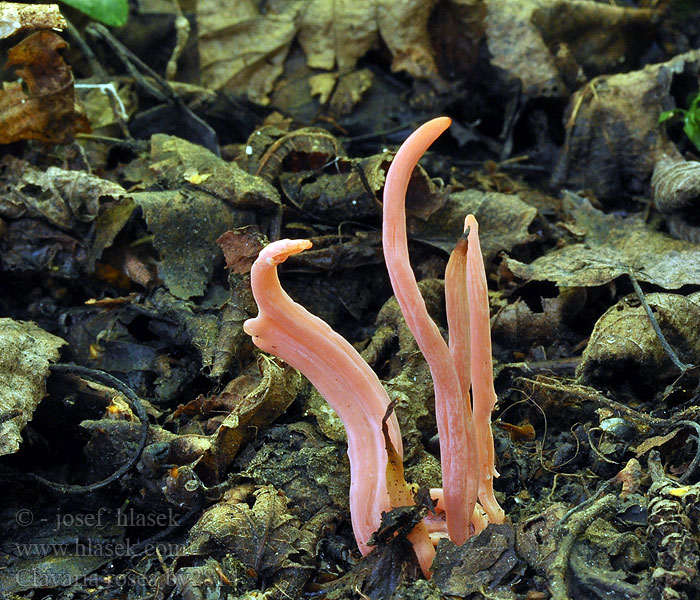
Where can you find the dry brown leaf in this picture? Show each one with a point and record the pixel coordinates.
(522, 35)
(25, 352)
(241, 247)
(48, 112)
(403, 27)
(613, 136)
(244, 50)
(63, 198)
(349, 91)
(655, 442)
(278, 387)
(337, 33)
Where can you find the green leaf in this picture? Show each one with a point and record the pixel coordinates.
(694, 103)
(110, 12)
(671, 114)
(692, 128)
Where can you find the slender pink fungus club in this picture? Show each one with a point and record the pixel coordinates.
(287, 330)
(459, 456)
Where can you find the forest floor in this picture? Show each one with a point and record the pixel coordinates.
(149, 450)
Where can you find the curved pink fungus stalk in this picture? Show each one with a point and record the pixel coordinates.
(458, 451)
(287, 330)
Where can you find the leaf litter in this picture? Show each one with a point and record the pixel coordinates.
(132, 257)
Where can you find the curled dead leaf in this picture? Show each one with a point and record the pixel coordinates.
(46, 111)
(612, 132)
(676, 188)
(312, 147)
(624, 349)
(255, 410)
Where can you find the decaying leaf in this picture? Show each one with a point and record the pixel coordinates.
(655, 442)
(48, 112)
(33, 245)
(185, 226)
(206, 196)
(240, 247)
(25, 353)
(244, 50)
(202, 327)
(51, 218)
(313, 474)
(518, 326)
(231, 339)
(107, 104)
(535, 537)
(612, 245)
(485, 559)
(506, 218)
(63, 197)
(400, 493)
(624, 348)
(348, 92)
(255, 410)
(265, 538)
(15, 17)
(49, 571)
(336, 194)
(521, 36)
(142, 339)
(177, 163)
(108, 224)
(613, 137)
(603, 560)
(676, 188)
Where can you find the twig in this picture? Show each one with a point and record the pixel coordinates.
(577, 521)
(9, 415)
(134, 403)
(640, 419)
(696, 459)
(143, 546)
(683, 367)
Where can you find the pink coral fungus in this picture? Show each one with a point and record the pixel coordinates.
(287, 330)
(352, 389)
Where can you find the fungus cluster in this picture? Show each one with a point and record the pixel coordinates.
(461, 370)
